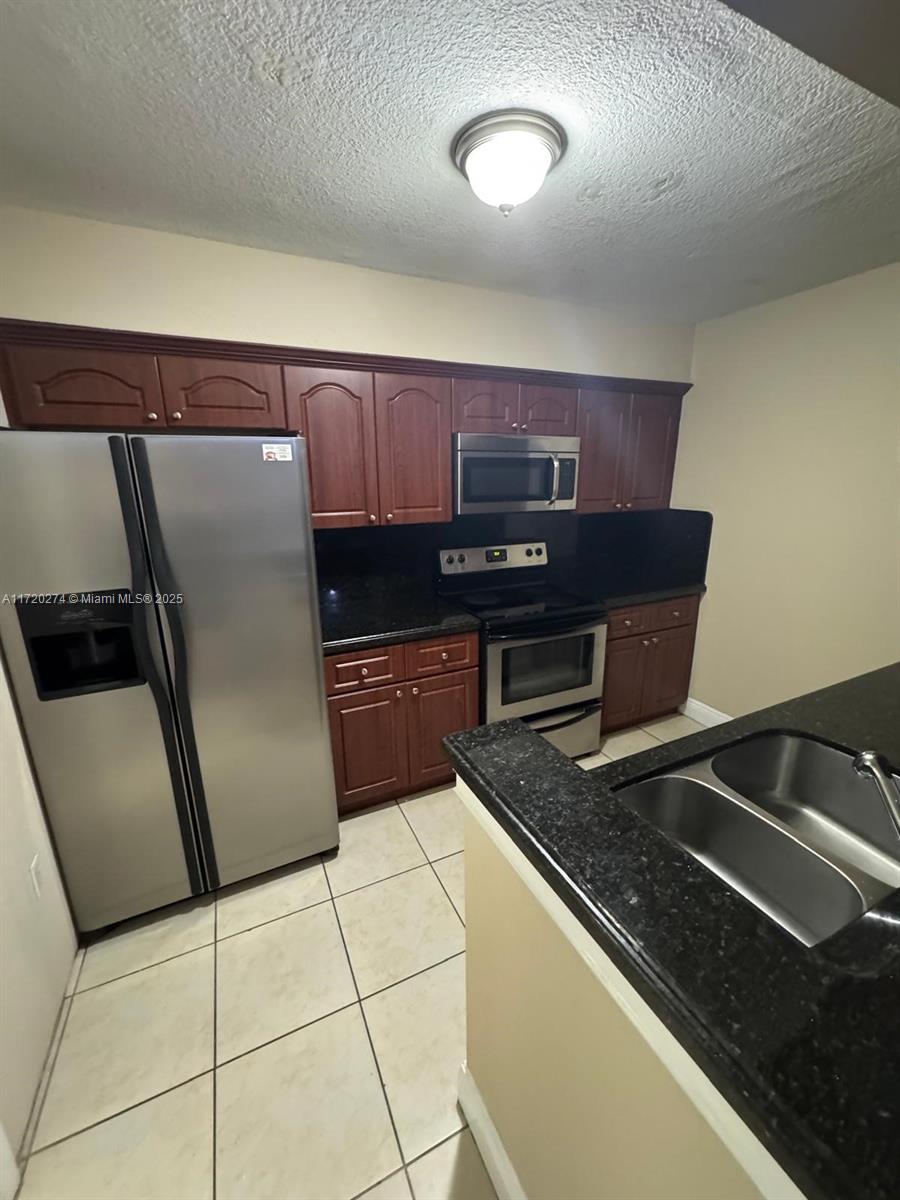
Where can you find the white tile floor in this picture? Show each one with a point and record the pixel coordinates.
(296, 1037)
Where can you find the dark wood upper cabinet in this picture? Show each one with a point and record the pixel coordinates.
(83, 388)
(335, 411)
(369, 743)
(412, 428)
(603, 419)
(211, 393)
(438, 707)
(548, 411)
(485, 406)
(653, 439)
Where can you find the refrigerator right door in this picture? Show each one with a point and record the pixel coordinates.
(228, 527)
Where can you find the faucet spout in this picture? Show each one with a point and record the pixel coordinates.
(869, 763)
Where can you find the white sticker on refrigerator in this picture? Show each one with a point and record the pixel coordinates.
(277, 452)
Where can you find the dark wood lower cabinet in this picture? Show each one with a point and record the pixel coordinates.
(386, 741)
(369, 743)
(438, 707)
(648, 674)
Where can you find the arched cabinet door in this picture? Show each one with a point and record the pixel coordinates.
(79, 389)
(212, 393)
(335, 412)
(412, 428)
(485, 406)
(548, 411)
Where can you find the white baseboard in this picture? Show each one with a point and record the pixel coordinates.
(493, 1153)
(705, 714)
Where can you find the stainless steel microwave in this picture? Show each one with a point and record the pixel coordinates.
(498, 473)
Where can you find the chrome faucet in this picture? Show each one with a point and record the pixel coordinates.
(868, 763)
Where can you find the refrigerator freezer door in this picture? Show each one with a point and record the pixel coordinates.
(228, 528)
(96, 739)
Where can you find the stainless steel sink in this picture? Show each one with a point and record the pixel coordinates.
(786, 822)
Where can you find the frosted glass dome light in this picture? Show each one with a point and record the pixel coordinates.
(506, 156)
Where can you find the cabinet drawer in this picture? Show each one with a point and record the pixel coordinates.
(666, 614)
(625, 621)
(441, 654)
(363, 669)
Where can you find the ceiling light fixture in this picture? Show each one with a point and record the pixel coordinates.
(506, 155)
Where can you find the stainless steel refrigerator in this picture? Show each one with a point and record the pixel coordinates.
(160, 624)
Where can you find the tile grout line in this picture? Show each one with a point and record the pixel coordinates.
(149, 967)
(437, 877)
(416, 1158)
(40, 1096)
(362, 1013)
(406, 978)
(128, 1108)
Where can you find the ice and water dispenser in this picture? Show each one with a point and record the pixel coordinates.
(78, 644)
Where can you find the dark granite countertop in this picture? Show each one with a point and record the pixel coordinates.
(361, 611)
(803, 1042)
(368, 610)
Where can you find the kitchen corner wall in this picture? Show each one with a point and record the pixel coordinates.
(37, 941)
(791, 438)
(65, 269)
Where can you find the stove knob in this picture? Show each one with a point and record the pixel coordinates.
(539, 552)
(450, 560)
(529, 552)
(461, 558)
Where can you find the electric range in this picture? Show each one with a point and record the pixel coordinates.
(543, 648)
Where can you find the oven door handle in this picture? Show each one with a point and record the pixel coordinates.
(554, 489)
(581, 715)
(544, 631)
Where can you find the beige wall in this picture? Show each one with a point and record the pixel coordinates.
(37, 942)
(791, 437)
(570, 1085)
(56, 268)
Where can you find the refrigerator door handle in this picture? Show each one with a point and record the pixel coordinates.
(164, 576)
(141, 585)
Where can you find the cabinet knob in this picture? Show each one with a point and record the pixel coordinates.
(151, 416)
(628, 505)
(617, 505)
(176, 416)
(389, 516)
(372, 518)
(524, 428)
(628, 622)
(415, 691)
(364, 671)
(655, 641)
(515, 424)
(645, 642)
(676, 612)
(444, 656)
(399, 693)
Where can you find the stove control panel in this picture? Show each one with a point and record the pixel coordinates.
(493, 558)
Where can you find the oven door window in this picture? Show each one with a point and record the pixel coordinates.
(543, 669)
(507, 477)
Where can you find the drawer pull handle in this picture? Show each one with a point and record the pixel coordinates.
(444, 656)
(676, 612)
(655, 641)
(628, 622)
(364, 671)
(645, 642)
(415, 691)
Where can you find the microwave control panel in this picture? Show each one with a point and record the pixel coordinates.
(493, 558)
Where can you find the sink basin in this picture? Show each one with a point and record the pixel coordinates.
(814, 789)
(784, 821)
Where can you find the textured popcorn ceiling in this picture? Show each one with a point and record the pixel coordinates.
(710, 165)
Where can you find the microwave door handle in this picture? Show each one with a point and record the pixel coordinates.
(554, 490)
